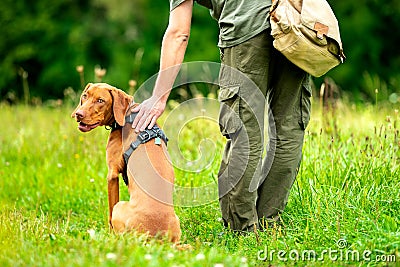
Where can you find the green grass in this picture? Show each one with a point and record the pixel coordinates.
(53, 197)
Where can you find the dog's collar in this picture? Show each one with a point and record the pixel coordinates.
(114, 126)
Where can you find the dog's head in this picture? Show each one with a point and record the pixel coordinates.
(101, 104)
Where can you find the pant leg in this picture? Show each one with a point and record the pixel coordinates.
(242, 97)
(289, 101)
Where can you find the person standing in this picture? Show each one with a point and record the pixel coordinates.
(252, 191)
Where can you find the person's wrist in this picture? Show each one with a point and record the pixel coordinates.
(161, 98)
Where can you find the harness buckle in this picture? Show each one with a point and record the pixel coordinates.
(144, 136)
(157, 131)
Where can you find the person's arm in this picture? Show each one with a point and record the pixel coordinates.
(172, 53)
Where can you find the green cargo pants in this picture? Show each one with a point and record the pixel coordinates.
(254, 77)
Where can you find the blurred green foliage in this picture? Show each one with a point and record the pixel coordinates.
(48, 39)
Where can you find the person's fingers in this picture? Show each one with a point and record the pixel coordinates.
(142, 125)
(137, 118)
(153, 121)
(137, 108)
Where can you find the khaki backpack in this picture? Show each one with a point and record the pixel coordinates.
(307, 33)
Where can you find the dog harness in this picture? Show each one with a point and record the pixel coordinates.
(143, 137)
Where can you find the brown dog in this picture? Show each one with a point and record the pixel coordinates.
(150, 173)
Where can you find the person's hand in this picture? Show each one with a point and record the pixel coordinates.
(148, 113)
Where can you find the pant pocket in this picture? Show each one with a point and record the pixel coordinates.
(305, 103)
(229, 119)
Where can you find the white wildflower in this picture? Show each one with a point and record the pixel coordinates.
(92, 233)
(200, 256)
(170, 255)
(111, 256)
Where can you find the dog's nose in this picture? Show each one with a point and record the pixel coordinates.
(79, 115)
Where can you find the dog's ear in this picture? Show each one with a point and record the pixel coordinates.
(121, 102)
(80, 101)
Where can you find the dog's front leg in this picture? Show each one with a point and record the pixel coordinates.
(113, 191)
(115, 163)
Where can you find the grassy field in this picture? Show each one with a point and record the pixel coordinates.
(343, 209)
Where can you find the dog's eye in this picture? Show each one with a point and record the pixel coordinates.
(84, 96)
(100, 100)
